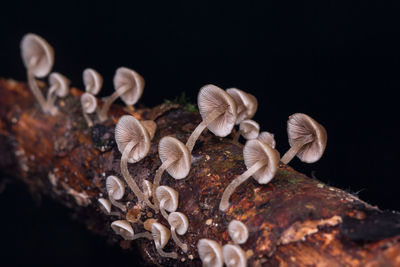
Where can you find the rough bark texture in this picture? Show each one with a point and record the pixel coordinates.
(293, 221)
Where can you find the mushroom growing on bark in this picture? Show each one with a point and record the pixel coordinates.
(246, 104)
(267, 138)
(124, 229)
(210, 253)
(249, 129)
(218, 111)
(59, 87)
(92, 80)
(105, 205)
(179, 225)
(234, 256)
(168, 198)
(161, 235)
(261, 161)
(238, 232)
(38, 58)
(89, 105)
(307, 139)
(116, 191)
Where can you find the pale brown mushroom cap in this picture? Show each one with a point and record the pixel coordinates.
(129, 129)
(246, 104)
(133, 80)
(89, 103)
(105, 204)
(115, 186)
(37, 55)
(238, 232)
(249, 129)
(179, 221)
(234, 256)
(60, 82)
(161, 234)
(93, 81)
(123, 228)
(170, 147)
(267, 138)
(213, 98)
(210, 249)
(170, 197)
(301, 126)
(255, 151)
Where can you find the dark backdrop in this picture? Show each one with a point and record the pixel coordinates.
(337, 61)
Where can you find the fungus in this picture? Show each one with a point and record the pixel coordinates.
(105, 205)
(218, 111)
(124, 229)
(261, 161)
(210, 253)
(238, 232)
(148, 223)
(161, 235)
(267, 138)
(115, 190)
(168, 198)
(234, 256)
(307, 139)
(246, 104)
(128, 86)
(150, 126)
(133, 142)
(93, 81)
(59, 86)
(179, 225)
(38, 58)
(249, 129)
(147, 188)
(89, 105)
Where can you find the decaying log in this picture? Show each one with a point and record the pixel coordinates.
(293, 221)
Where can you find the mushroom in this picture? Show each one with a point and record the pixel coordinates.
(246, 104)
(150, 126)
(133, 142)
(93, 81)
(89, 105)
(218, 111)
(147, 188)
(124, 229)
(161, 235)
(179, 225)
(261, 161)
(210, 253)
(59, 86)
(175, 158)
(116, 191)
(238, 232)
(38, 58)
(168, 198)
(249, 129)
(105, 205)
(128, 85)
(267, 138)
(234, 256)
(307, 139)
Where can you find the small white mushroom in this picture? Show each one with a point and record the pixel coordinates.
(93, 81)
(105, 205)
(89, 105)
(234, 256)
(124, 229)
(267, 138)
(238, 232)
(210, 253)
(249, 129)
(116, 191)
(179, 225)
(59, 87)
(246, 104)
(168, 198)
(147, 188)
(161, 235)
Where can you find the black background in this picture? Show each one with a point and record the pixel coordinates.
(336, 61)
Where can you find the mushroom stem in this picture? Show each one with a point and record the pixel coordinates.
(224, 204)
(199, 129)
(237, 136)
(177, 241)
(106, 106)
(163, 212)
(143, 235)
(51, 97)
(87, 119)
(36, 91)
(172, 255)
(291, 153)
(116, 203)
(157, 178)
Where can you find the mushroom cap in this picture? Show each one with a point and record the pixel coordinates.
(150, 126)
(60, 82)
(131, 79)
(238, 232)
(161, 234)
(301, 126)
(267, 138)
(246, 104)
(93, 81)
(123, 228)
(170, 147)
(37, 55)
(212, 98)
(234, 256)
(212, 250)
(129, 129)
(115, 187)
(105, 203)
(179, 221)
(170, 197)
(255, 151)
(249, 128)
(89, 103)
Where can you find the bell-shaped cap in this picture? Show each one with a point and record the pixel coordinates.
(168, 196)
(234, 256)
(92, 80)
(302, 127)
(179, 221)
(161, 234)
(125, 77)
(249, 128)
(267, 138)
(105, 204)
(150, 126)
(130, 129)
(123, 228)
(255, 151)
(238, 232)
(37, 55)
(213, 98)
(246, 104)
(171, 148)
(89, 103)
(60, 82)
(115, 187)
(210, 253)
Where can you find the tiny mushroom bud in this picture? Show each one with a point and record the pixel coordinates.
(249, 129)
(128, 86)
(210, 253)
(161, 235)
(307, 139)
(238, 232)
(89, 105)
(179, 225)
(246, 104)
(267, 138)
(168, 198)
(38, 58)
(234, 256)
(105, 205)
(150, 126)
(262, 163)
(124, 229)
(115, 190)
(59, 86)
(218, 111)
(92, 80)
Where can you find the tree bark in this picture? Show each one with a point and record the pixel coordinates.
(293, 221)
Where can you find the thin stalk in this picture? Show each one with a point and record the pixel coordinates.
(172, 255)
(36, 91)
(162, 209)
(51, 97)
(116, 203)
(106, 106)
(88, 119)
(177, 241)
(157, 178)
(237, 136)
(291, 153)
(143, 235)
